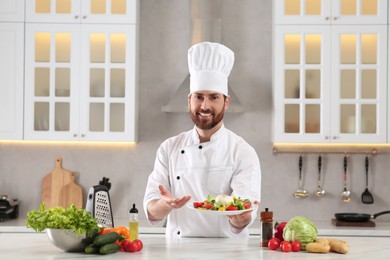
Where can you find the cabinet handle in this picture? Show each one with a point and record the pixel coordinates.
(327, 18)
(82, 135)
(335, 137)
(335, 18)
(74, 135)
(326, 137)
(76, 17)
(84, 17)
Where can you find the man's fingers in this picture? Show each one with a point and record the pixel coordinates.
(162, 189)
(180, 202)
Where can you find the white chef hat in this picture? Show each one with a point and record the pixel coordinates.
(210, 65)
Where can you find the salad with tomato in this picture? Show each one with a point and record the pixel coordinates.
(223, 202)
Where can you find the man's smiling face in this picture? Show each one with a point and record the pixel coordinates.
(207, 108)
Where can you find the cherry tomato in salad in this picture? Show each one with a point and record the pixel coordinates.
(273, 244)
(247, 205)
(296, 246)
(198, 204)
(231, 207)
(286, 246)
(208, 206)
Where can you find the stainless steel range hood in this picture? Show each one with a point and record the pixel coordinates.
(206, 26)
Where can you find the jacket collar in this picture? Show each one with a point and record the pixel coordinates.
(217, 135)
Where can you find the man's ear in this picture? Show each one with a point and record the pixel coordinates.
(188, 101)
(227, 102)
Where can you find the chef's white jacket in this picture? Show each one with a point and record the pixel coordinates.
(224, 165)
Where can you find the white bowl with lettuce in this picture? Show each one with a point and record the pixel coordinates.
(70, 229)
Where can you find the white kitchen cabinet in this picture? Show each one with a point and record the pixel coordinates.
(80, 82)
(11, 84)
(80, 78)
(330, 84)
(80, 70)
(330, 11)
(12, 11)
(82, 11)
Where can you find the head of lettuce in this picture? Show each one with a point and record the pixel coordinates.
(300, 229)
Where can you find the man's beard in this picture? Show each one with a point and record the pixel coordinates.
(206, 124)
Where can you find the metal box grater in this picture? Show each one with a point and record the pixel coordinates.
(99, 205)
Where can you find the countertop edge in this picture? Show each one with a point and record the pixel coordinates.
(382, 229)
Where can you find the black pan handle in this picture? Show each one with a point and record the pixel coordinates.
(380, 213)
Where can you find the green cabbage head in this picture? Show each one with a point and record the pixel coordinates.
(301, 229)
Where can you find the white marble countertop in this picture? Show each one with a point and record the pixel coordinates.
(382, 229)
(37, 246)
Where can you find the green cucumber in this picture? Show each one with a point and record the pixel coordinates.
(109, 249)
(105, 239)
(92, 249)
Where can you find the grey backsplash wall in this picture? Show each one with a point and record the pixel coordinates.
(164, 40)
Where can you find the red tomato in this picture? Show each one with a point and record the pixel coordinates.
(208, 206)
(231, 207)
(122, 246)
(126, 245)
(133, 246)
(282, 242)
(296, 246)
(286, 246)
(198, 204)
(140, 244)
(247, 205)
(273, 244)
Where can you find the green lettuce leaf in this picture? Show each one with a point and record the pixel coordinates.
(78, 220)
(301, 229)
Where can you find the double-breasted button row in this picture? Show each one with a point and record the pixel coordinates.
(183, 151)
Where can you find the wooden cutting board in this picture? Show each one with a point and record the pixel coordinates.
(59, 188)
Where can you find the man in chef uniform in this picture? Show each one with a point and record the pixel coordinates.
(209, 159)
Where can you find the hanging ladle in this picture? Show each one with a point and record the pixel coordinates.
(300, 193)
(320, 192)
(346, 193)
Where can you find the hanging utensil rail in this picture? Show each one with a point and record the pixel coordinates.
(330, 148)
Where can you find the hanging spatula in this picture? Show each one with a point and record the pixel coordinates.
(367, 197)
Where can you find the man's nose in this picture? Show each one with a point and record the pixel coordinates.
(205, 104)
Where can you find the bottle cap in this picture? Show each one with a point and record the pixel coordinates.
(134, 209)
(266, 214)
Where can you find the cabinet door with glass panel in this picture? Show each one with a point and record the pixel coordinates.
(80, 82)
(302, 83)
(330, 85)
(330, 11)
(359, 75)
(81, 11)
(52, 82)
(108, 83)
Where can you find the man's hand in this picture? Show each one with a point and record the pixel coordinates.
(172, 201)
(159, 209)
(241, 220)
